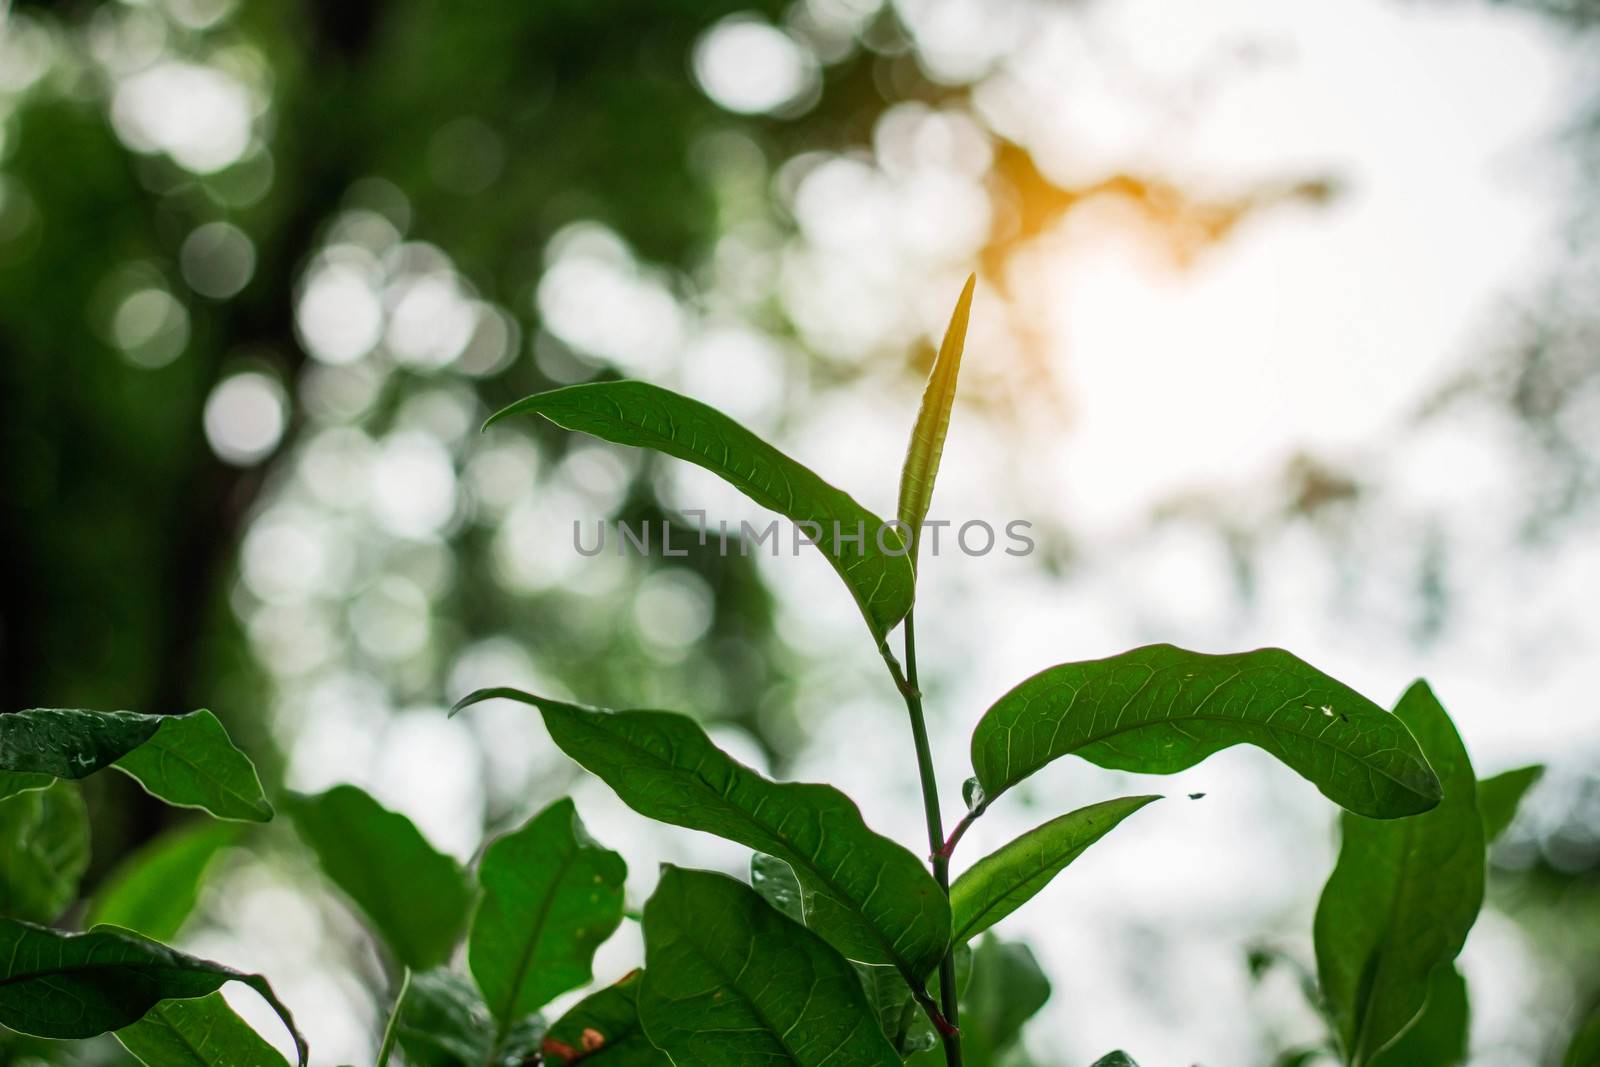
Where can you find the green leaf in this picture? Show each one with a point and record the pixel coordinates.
(83, 985)
(154, 890)
(44, 850)
(730, 982)
(1401, 897)
(899, 1015)
(1115, 1059)
(190, 762)
(1003, 881)
(186, 760)
(551, 895)
(1500, 796)
(646, 416)
(203, 1032)
(603, 1030)
(415, 897)
(1584, 1051)
(1007, 990)
(70, 742)
(921, 466)
(868, 896)
(1439, 1036)
(12, 783)
(443, 1022)
(1160, 710)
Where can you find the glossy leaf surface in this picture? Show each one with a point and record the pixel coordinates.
(44, 850)
(1160, 710)
(444, 1022)
(1004, 880)
(921, 467)
(551, 895)
(70, 742)
(647, 416)
(155, 889)
(1401, 897)
(868, 896)
(731, 982)
(14, 782)
(61, 985)
(603, 1030)
(415, 897)
(204, 1032)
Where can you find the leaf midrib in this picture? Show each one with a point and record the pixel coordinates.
(525, 957)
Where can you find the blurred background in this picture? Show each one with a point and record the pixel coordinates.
(1286, 332)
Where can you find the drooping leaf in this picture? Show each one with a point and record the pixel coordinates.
(603, 1030)
(921, 467)
(1500, 796)
(61, 985)
(551, 895)
(646, 416)
(44, 850)
(1401, 897)
(899, 1016)
(868, 896)
(185, 760)
(1439, 1036)
(444, 1022)
(730, 982)
(1160, 710)
(155, 889)
(415, 897)
(190, 761)
(1008, 988)
(203, 1032)
(1004, 880)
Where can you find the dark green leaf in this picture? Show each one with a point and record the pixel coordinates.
(1004, 880)
(1500, 796)
(203, 1032)
(867, 895)
(443, 1022)
(153, 890)
(1115, 1059)
(730, 982)
(415, 897)
(1402, 897)
(602, 1030)
(1584, 1051)
(646, 416)
(186, 760)
(1160, 709)
(1439, 1036)
(921, 466)
(44, 850)
(190, 762)
(551, 895)
(70, 742)
(14, 782)
(82, 985)
(1007, 990)
(899, 1016)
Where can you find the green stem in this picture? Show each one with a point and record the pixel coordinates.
(937, 856)
(391, 1030)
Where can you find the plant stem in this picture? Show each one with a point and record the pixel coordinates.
(391, 1030)
(936, 854)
